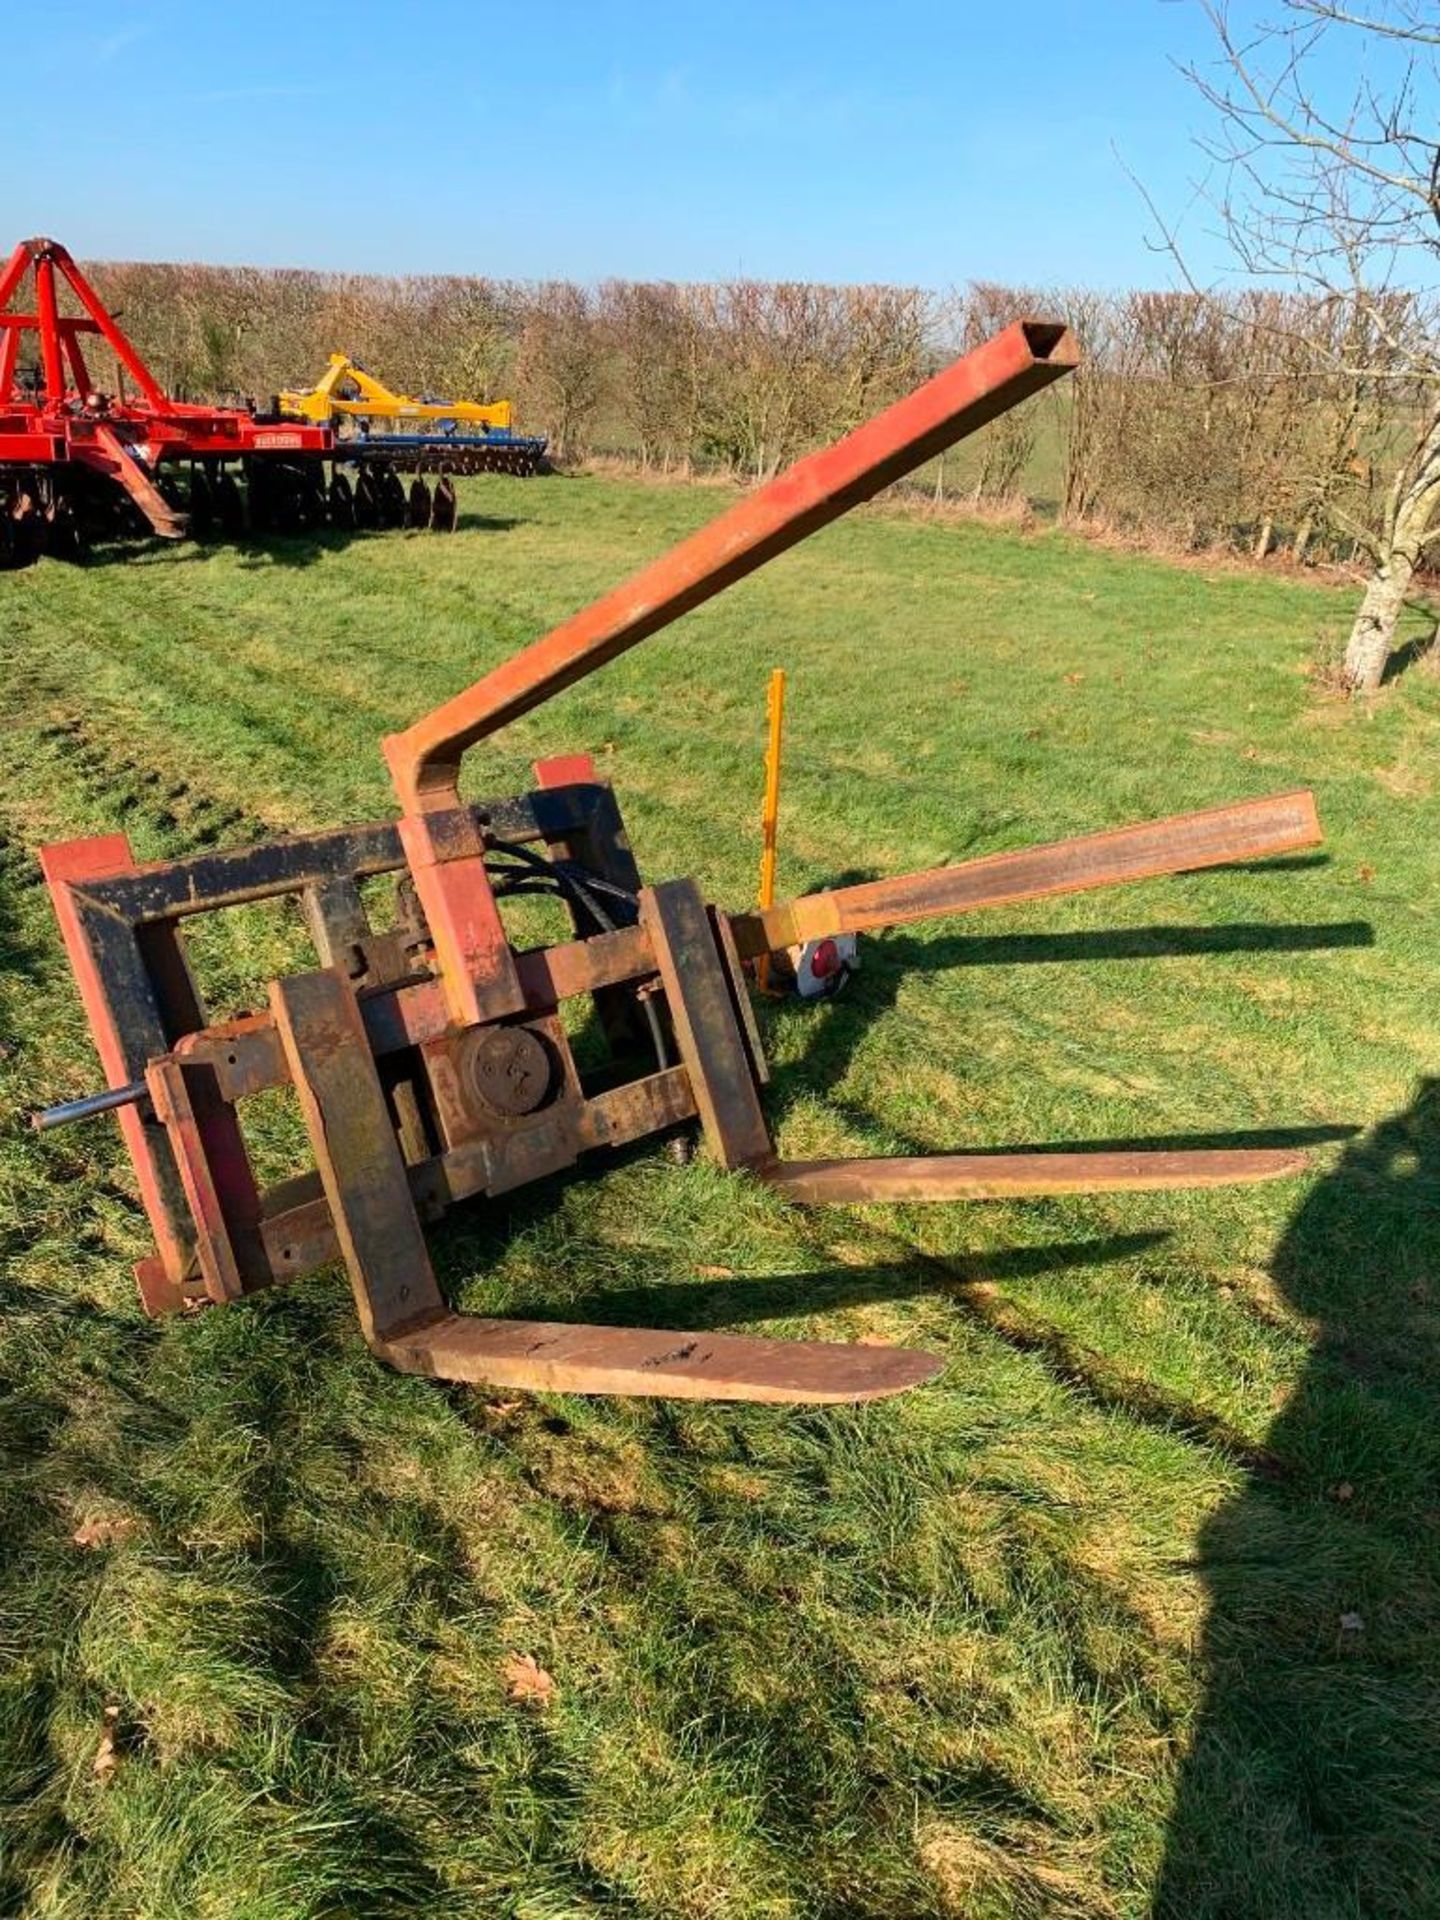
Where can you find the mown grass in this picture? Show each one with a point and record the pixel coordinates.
(1134, 1611)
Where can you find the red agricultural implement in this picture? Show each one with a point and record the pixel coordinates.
(430, 1061)
(79, 463)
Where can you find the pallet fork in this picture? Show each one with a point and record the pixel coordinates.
(430, 1061)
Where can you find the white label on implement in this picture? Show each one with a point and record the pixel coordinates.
(278, 440)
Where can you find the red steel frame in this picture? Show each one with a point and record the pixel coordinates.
(68, 420)
(425, 760)
(386, 1044)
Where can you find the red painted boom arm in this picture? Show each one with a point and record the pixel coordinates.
(424, 761)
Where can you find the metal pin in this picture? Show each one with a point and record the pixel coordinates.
(92, 1103)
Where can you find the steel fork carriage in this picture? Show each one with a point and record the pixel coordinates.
(431, 1062)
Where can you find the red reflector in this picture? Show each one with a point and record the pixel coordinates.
(825, 960)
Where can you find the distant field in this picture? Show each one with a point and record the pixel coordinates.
(1135, 1611)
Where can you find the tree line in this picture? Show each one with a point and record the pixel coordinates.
(1196, 420)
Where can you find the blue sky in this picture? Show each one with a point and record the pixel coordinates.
(846, 141)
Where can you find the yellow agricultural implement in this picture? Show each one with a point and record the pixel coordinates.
(421, 435)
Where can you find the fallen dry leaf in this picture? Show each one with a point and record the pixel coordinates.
(527, 1680)
(102, 1530)
(716, 1273)
(1344, 1491)
(106, 1754)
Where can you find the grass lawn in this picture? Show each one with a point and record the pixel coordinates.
(1134, 1611)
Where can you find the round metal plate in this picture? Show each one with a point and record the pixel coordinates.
(511, 1070)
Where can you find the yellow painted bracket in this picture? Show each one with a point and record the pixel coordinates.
(770, 813)
(375, 401)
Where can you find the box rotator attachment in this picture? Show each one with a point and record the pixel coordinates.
(430, 1061)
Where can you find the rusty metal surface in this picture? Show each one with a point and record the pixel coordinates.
(205, 882)
(174, 1108)
(697, 993)
(472, 951)
(247, 1056)
(638, 1109)
(1008, 1176)
(295, 1229)
(137, 997)
(541, 1356)
(1019, 361)
(549, 975)
(359, 1162)
(1248, 830)
(512, 1070)
(740, 995)
(430, 1061)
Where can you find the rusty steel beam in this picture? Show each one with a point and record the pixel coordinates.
(1010, 1176)
(424, 760)
(541, 1356)
(1186, 842)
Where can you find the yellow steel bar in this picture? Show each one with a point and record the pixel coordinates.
(770, 813)
(379, 402)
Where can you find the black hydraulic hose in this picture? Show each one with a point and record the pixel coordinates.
(567, 879)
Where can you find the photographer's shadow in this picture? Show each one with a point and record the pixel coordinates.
(1312, 1783)
(887, 958)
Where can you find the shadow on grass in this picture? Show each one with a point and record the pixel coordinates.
(740, 1301)
(93, 1416)
(262, 550)
(1312, 1784)
(1420, 647)
(21, 955)
(303, 550)
(886, 958)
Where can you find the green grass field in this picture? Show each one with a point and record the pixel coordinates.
(1135, 1611)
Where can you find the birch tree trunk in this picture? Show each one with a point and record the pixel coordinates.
(1373, 635)
(1410, 517)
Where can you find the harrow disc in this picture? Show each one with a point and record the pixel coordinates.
(419, 503)
(443, 510)
(63, 537)
(229, 505)
(25, 527)
(367, 499)
(393, 504)
(341, 502)
(202, 504)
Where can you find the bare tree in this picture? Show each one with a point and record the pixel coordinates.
(650, 332)
(558, 368)
(1337, 192)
